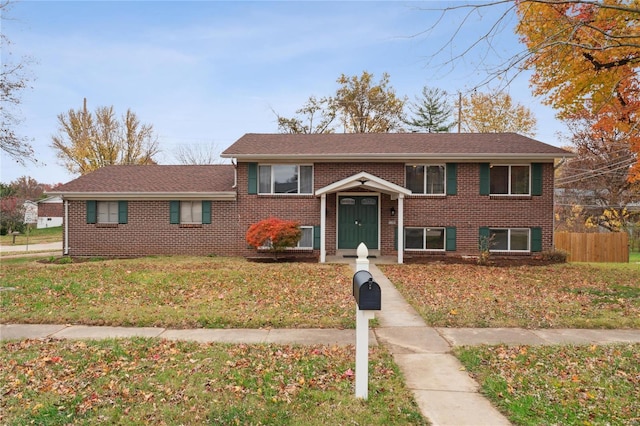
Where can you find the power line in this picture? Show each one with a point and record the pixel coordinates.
(603, 170)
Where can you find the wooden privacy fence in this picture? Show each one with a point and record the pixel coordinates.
(592, 247)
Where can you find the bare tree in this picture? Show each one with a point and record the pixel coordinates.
(199, 154)
(316, 116)
(13, 81)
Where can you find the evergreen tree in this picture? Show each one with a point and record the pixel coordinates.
(431, 112)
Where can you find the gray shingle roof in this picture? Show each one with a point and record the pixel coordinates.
(389, 145)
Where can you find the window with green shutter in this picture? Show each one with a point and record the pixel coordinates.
(123, 212)
(174, 212)
(206, 212)
(451, 238)
(316, 237)
(536, 179)
(252, 175)
(485, 183)
(92, 211)
(452, 178)
(483, 238)
(536, 239)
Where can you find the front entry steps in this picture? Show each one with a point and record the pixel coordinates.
(348, 253)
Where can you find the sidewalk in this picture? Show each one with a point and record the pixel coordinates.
(444, 392)
(48, 247)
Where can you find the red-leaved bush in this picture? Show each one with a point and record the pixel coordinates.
(275, 234)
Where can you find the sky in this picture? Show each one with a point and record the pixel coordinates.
(205, 73)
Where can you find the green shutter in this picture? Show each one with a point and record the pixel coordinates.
(206, 212)
(316, 237)
(451, 238)
(252, 171)
(536, 239)
(452, 178)
(174, 212)
(395, 237)
(123, 212)
(92, 211)
(536, 179)
(484, 179)
(483, 240)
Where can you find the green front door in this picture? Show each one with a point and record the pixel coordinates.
(357, 222)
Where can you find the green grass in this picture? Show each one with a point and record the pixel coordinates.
(36, 236)
(178, 292)
(634, 257)
(557, 296)
(559, 384)
(146, 381)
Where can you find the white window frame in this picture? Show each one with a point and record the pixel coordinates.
(509, 249)
(198, 220)
(272, 180)
(111, 213)
(509, 188)
(425, 229)
(424, 183)
(299, 247)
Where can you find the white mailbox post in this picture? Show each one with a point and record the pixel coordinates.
(367, 294)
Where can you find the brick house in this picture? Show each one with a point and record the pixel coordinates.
(444, 192)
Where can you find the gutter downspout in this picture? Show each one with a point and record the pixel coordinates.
(65, 250)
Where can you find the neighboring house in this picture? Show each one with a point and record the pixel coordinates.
(50, 212)
(431, 194)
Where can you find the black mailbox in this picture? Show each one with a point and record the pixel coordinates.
(366, 291)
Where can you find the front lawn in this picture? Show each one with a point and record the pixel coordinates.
(559, 385)
(153, 381)
(36, 236)
(556, 296)
(178, 292)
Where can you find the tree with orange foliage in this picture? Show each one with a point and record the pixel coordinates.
(585, 55)
(276, 235)
(595, 182)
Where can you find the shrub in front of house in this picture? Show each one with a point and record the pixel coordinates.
(274, 235)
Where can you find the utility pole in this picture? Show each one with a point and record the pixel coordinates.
(459, 111)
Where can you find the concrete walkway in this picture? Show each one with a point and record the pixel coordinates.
(444, 392)
(36, 248)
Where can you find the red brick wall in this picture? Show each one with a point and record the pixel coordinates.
(50, 210)
(148, 230)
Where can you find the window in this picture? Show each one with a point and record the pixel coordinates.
(510, 239)
(306, 242)
(426, 179)
(509, 180)
(107, 211)
(285, 179)
(424, 238)
(190, 212)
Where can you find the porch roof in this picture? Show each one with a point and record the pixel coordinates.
(364, 180)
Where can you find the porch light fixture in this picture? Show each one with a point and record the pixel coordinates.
(393, 211)
(363, 180)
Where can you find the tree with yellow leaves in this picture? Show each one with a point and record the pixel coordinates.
(86, 141)
(496, 112)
